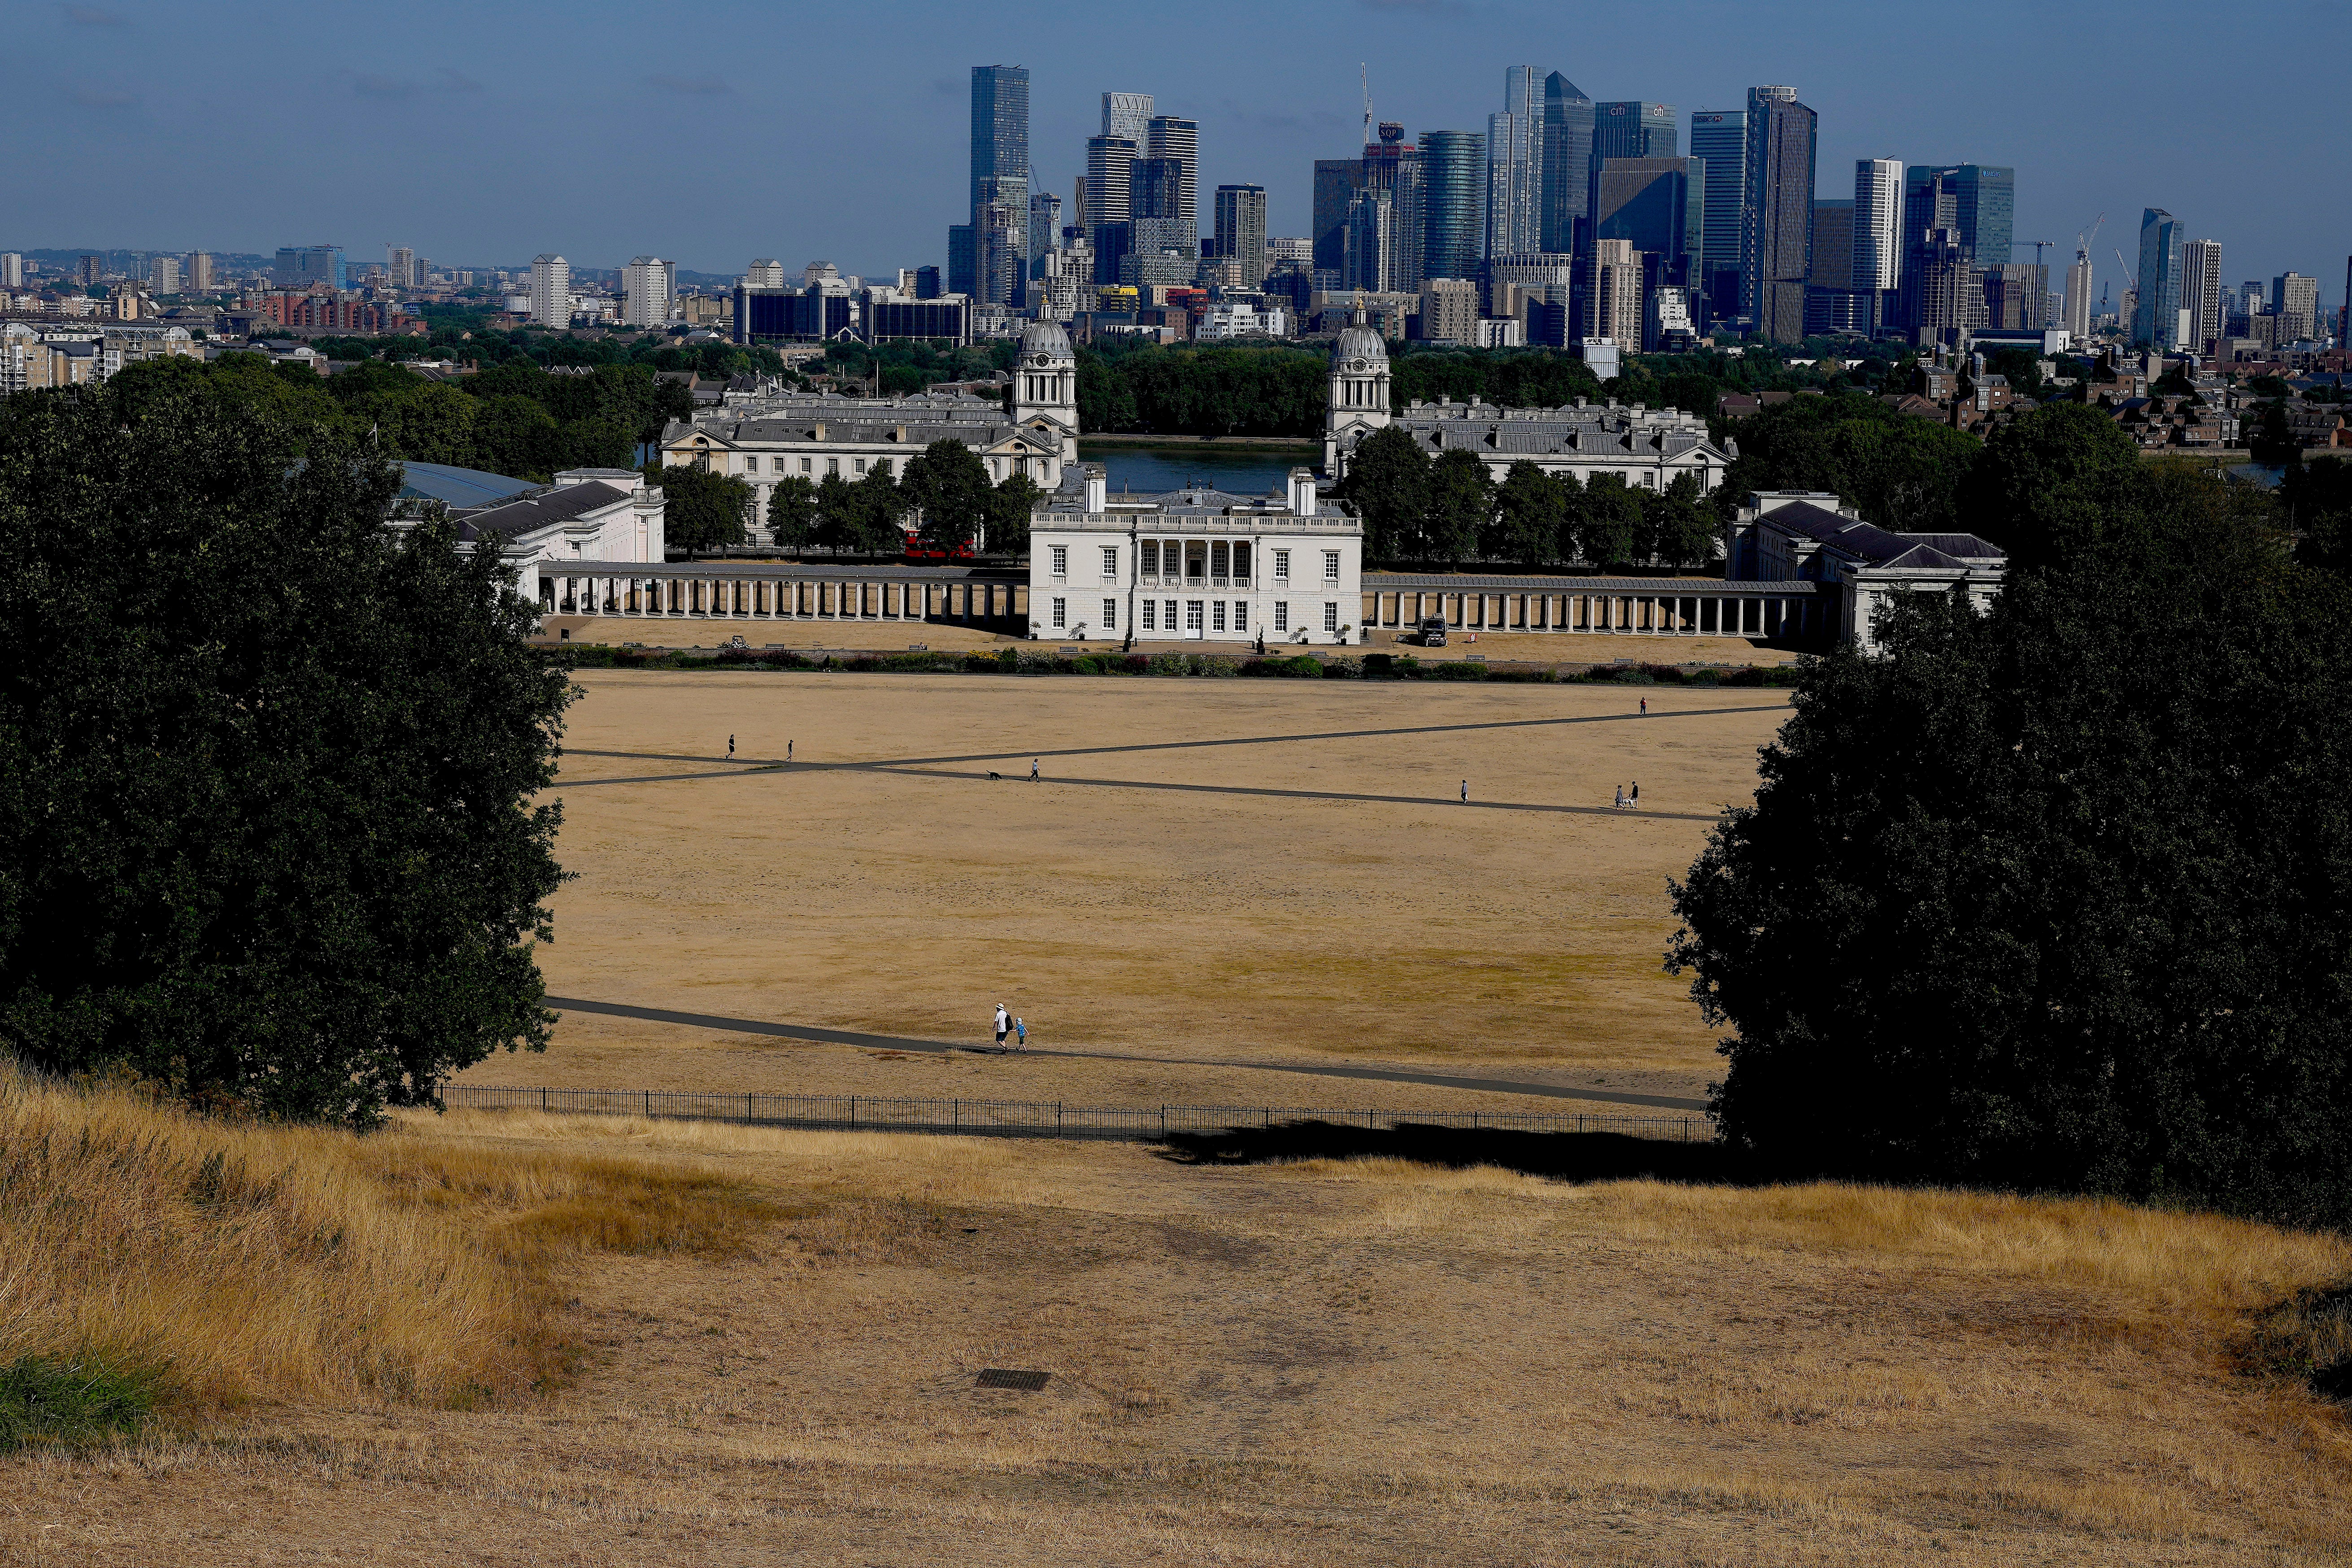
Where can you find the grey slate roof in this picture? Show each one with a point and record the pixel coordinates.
(1877, 545)
(517, 518)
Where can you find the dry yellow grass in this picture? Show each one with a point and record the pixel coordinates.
(1352, 1361)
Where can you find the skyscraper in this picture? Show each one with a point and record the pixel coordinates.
(1720, 140)
(401, 262)
(2201, 291)
(2078, 293)
(1976, 201)
(300, 265)
(1110, 176)
(1126, 114)
(1454, 193)
(1659, 206)
(551, 290)
(1167, 137)
(1878, 233)
(1777, 213)
(1634, 130)
(647, 283)
(1833, 244)
(163, 275)
(1514, 166)
(2156, 311)
(1241, 230)
(1615, 312)
(1044, 226)
(2296, 300)
(12, 269)
(1565, 197)
(1000, 131)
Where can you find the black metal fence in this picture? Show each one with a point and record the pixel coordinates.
(1035, 1118)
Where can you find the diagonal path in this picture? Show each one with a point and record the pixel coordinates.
(902, 1043)
(1319, 794)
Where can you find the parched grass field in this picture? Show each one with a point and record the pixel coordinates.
(711, 1345)
(1255, 871)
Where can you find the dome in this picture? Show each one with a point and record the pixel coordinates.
(1045, 337)
(1358, 340)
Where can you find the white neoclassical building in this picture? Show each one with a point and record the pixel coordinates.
(813, 435)
(1647, 447)
(600, 515)
(1196, 565)
(1806, 536)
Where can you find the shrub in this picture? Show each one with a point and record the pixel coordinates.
(1343, 669)
(1454, 669)
(46, 1399)
(1663, 674)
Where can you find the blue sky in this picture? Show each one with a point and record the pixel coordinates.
(482, 134)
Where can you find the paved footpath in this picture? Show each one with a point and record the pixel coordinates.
(902, 1043)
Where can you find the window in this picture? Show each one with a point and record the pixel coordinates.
(1282, 566)
(1241, 558)
(1241, 616)
(1061, 614)
(1110, 563)
(860, 465)
(1331, 566)
(1150, 561)
(1151, 620)
(1192, 614)
(1061, 563)
(751, 465)
(1217, 615)
(1282, 614)
(1331, 618)
(1169, 620)
(1219, 553)
(832, 465)
(1110, 614)
(807, 466)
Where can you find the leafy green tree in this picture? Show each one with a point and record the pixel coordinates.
(1461, 507)
(792, 513)
(2058, 896)
(2053, 482)
(947, 481)
(701, 511)
(2315, 503)
(879, 502)
(2022, 367)
(265, 825)
(517, 435)
(1682, 531)
(1530, 507)
(1573, 509)
(1899, 472)
(1388, 487)
(1612, 532)
(1009, 506)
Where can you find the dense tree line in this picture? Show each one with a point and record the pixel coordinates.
(945, 489)
(1450, 510)
(2060, 894)
(267, 766)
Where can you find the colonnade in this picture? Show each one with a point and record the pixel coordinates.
(1660, 614)
(718, 597)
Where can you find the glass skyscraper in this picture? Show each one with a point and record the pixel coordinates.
(1000, 175)
(1719, 139)
(1566, 195)
(1777, 213)
(1514, 166)
(2156, 314)
(1453, 200)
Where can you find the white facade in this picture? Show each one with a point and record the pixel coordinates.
(591, 515)
(1195, 565)
(1878, 222)
(1806, 536)
(648, 282)
(551, 290)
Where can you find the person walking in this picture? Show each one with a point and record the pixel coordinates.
(730, 748)
(1620, 802)
(1020, 1035)
(1465, 791)
(1003, 1022)
(788, 750)
(1032, 770)
(1645, 706)
(1634, 798)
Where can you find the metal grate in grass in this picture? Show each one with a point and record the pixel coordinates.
(1006, 1377)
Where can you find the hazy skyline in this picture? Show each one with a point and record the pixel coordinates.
(482, 137)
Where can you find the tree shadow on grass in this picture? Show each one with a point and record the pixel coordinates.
(1561, 1157)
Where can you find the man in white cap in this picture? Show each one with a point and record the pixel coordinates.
(1003, 1022)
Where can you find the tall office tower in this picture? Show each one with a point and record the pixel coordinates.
(1044, 228)
(88, 269)
(1634, 130)
(1241, 230)
(1720, 140)
(1615, 312)
(1877, 268)
(1453, 193)
(1659, 206)
(12, 269)
(2016, 296)
(1949, 291)
(1565, 194)
(1393, 167)
(2156, 310)
(1165, 244)
(199, 271)
(764, 273)
(2296, 300)
(646, 285)
(2078, 294)
(163, 277)
(1337, 181)
(1000, 248)
(1165, 136)
(551, 290)
(1128, 115)
(300, 265)
(401, 262)
(2201, 291)
(1369, 260)
(1000, 131)
(1976, 203)
(1777, 214)
(1110, 176)
(1515, 168)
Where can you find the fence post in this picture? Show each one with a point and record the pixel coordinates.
(1164, 1122)
(747, 1111)
(649, 1105)
(853, 1112)
(955, 1114)
(1057, 1119)
(543, 1101)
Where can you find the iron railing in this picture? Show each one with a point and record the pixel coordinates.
(1036, 1118)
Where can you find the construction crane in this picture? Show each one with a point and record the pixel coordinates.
(2039, 247)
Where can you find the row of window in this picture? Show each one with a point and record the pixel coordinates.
(1159, 615)
(1210, 557)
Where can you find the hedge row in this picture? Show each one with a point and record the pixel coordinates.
(1020, 661)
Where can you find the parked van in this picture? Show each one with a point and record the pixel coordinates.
(1432, 631)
